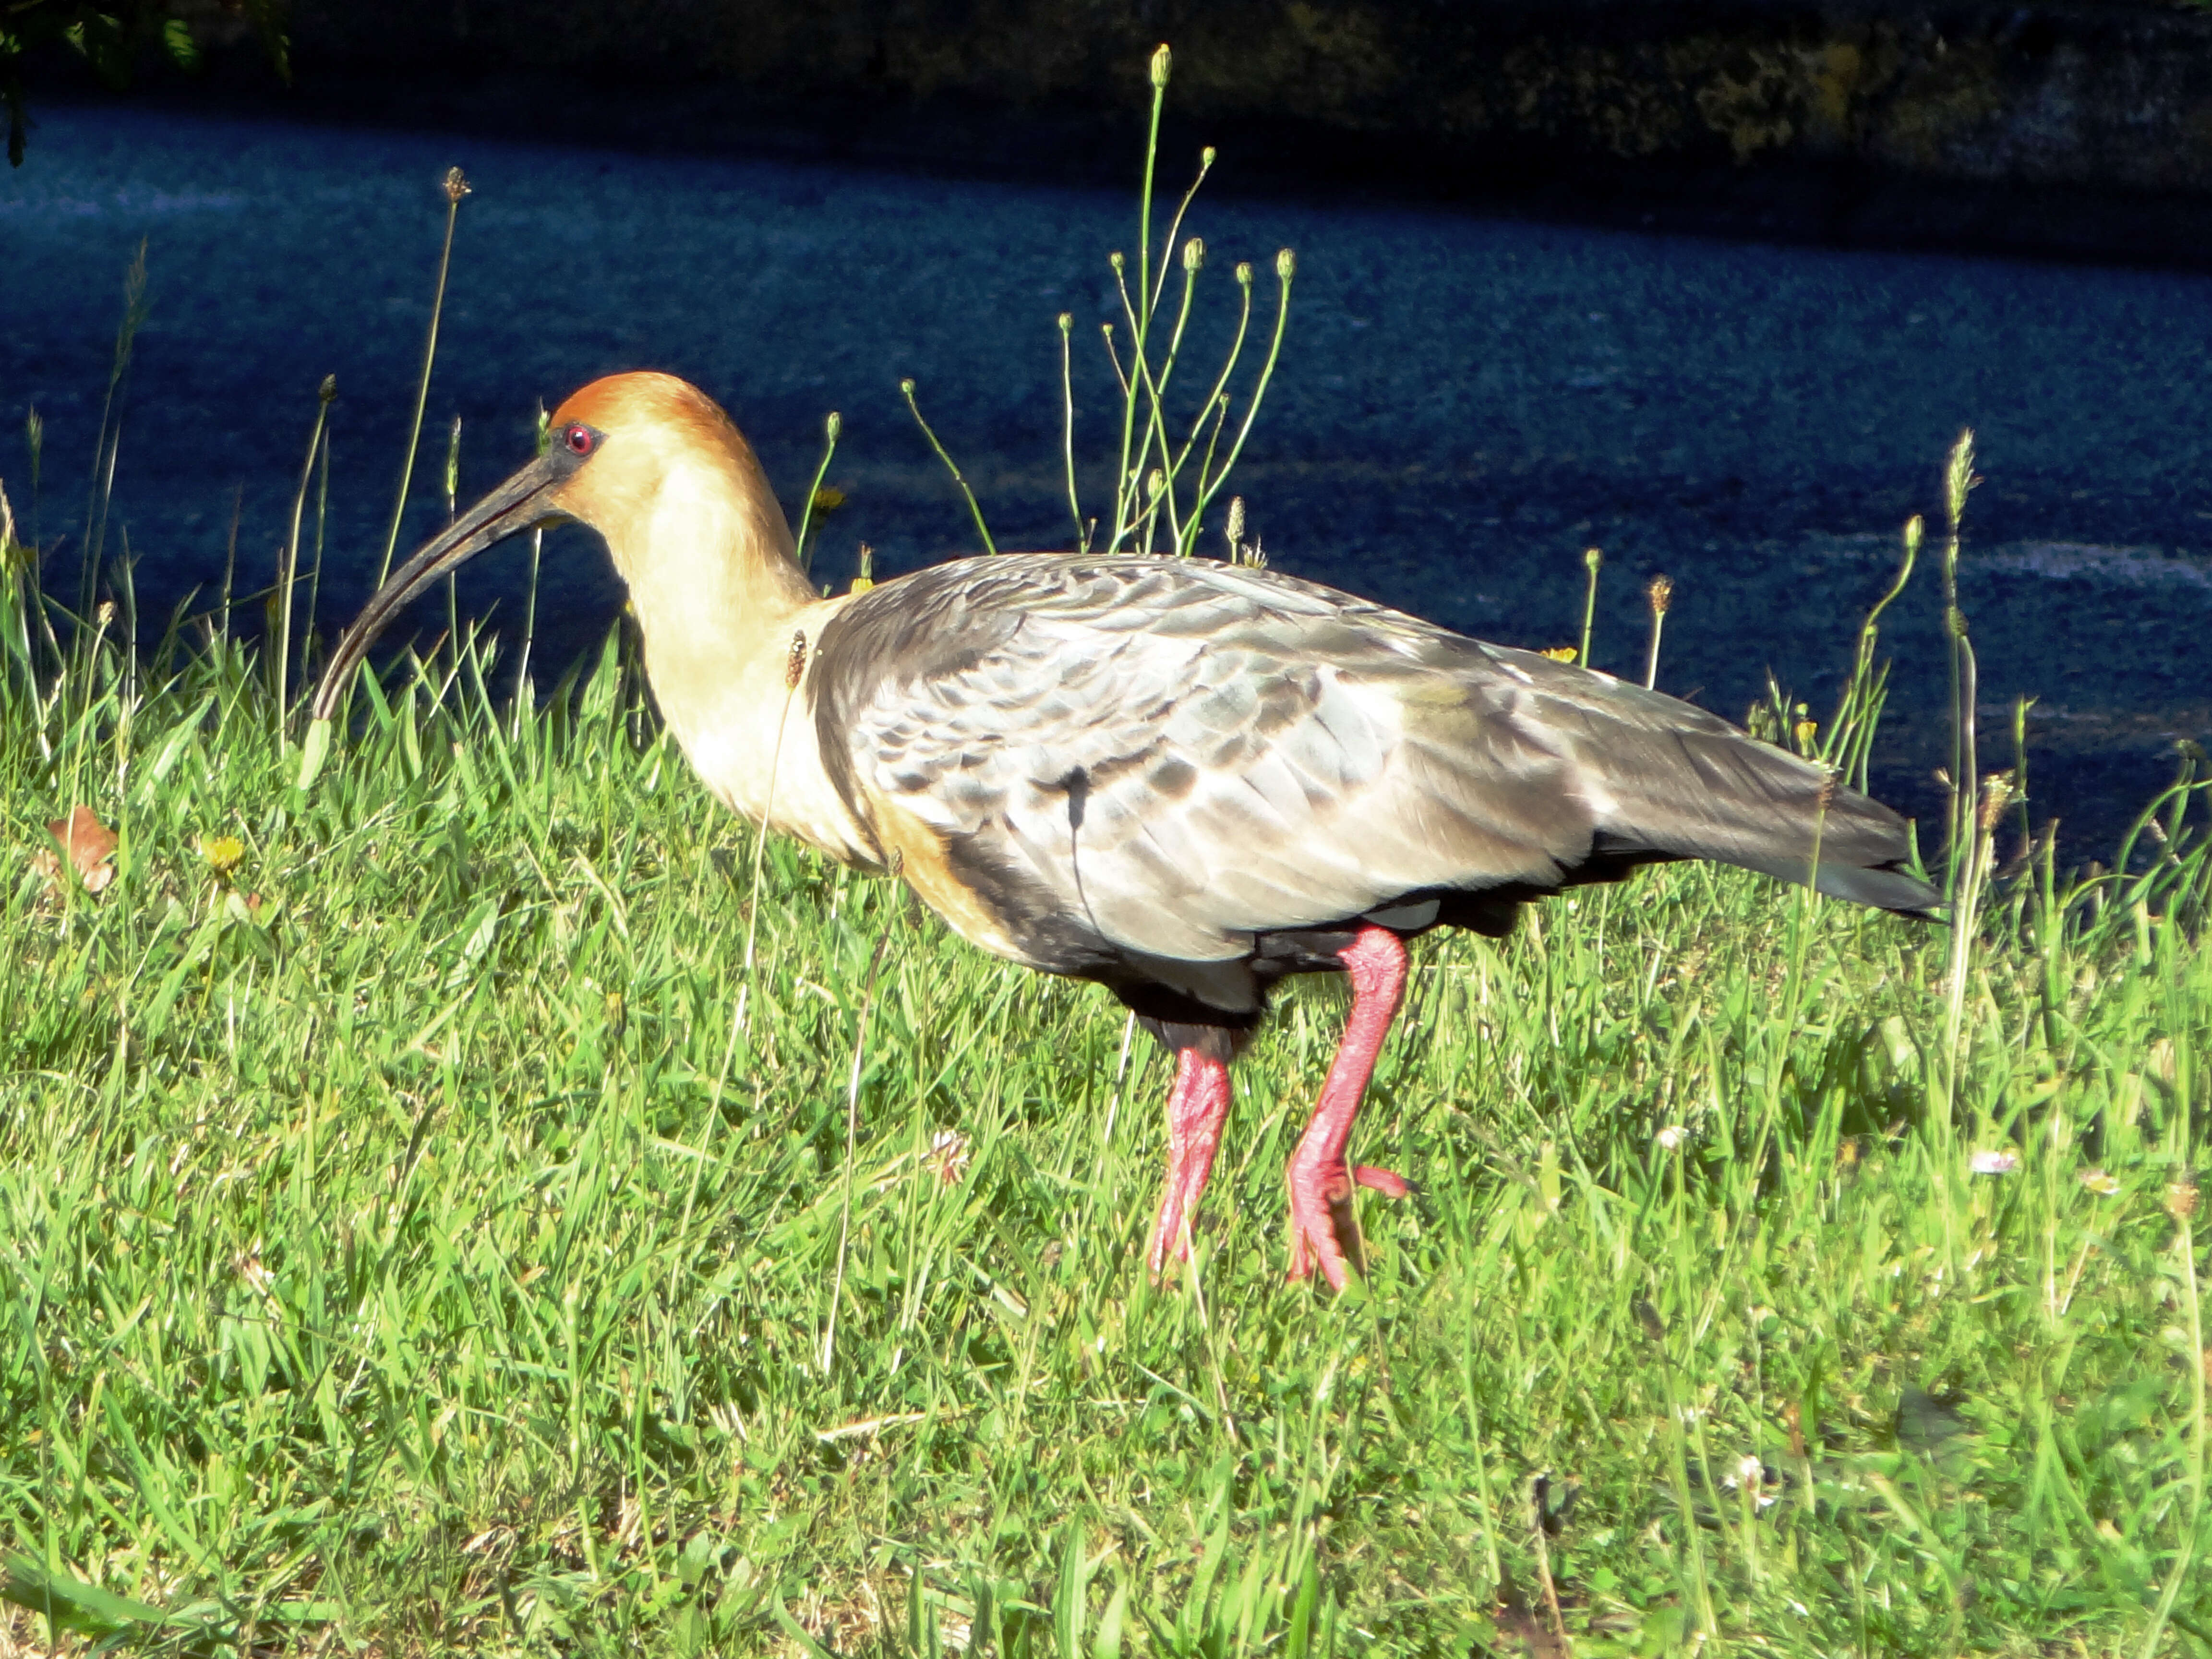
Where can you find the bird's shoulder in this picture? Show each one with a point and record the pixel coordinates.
(945, 620)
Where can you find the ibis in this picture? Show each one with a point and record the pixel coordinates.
(1184, 780)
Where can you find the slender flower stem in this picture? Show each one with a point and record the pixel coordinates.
(906, 390)
(455, 187)
(1141, 312)
(1659, 593)
(1286, 266)
(831, 428)
(1067, 429)
(1592, 559)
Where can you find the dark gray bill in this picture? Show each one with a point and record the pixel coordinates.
(515, 506)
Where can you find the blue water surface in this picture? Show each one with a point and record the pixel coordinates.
(1463, 404)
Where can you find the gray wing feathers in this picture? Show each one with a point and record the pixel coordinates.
(1678, 782)
(1184, 754)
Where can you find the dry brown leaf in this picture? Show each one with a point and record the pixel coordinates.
(89, 845)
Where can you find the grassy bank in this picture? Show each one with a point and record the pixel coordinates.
(492, 1202)
(409, 1247)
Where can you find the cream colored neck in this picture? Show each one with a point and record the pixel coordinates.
(712, 579)
(719, 601)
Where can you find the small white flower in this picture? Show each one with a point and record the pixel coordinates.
(1671, 1138)
(1749, 1471)
(2003, 1163)
(2099, 1183)
(948, 1158)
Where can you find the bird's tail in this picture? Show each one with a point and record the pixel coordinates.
(1669, 780)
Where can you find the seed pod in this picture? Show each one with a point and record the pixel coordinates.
(1996, 795)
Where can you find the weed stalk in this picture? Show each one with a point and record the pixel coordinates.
(455, 186)
(289, 566)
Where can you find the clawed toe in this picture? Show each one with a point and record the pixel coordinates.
(1324, 1228)
(1390, 1185)
(1324, 1231)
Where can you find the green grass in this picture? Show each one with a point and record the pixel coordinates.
(426, 1236)
(424, 1259)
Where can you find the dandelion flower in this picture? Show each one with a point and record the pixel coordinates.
(222, 853)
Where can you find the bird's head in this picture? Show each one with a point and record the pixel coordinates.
(619, 455)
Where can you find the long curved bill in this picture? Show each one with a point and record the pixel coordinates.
(523, 502)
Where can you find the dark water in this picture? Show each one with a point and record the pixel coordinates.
(1463, 406)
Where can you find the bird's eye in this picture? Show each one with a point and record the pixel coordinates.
(578, 437)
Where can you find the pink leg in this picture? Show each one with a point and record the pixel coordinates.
(1197, 1108)
(1324, 1230)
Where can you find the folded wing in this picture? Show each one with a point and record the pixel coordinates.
(1169, 757)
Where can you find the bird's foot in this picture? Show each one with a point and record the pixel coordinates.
(1324, 1229)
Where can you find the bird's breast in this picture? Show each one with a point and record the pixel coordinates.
(763, 761)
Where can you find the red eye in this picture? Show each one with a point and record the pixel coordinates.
(578, 437)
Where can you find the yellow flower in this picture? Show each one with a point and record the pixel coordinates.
(222, 853)
(1806, 731)
(828, 499)
(1559, 654)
